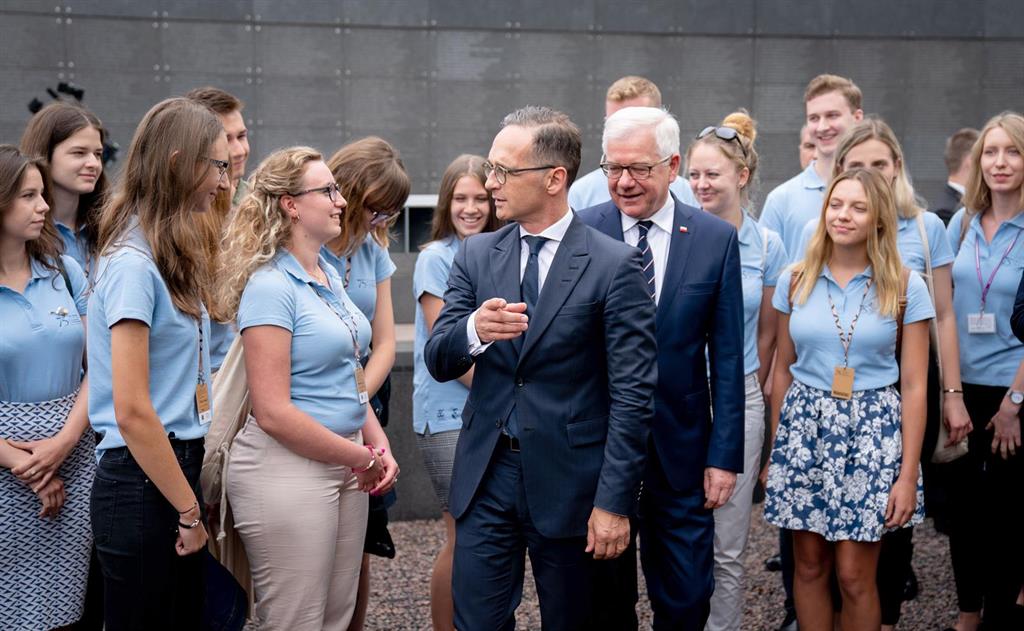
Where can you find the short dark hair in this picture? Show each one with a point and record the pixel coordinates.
(958, 146)
(218, 100)
(556, 139)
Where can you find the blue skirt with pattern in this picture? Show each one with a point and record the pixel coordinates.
(834, 462)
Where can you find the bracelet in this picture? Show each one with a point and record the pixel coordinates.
(373, 461)
(952, 391)
(189, 509)
(192, 525)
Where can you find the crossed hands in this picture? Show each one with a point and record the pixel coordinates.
(39, 470)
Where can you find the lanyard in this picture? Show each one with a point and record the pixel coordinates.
(847, 338)
(977, 266)
(201, 379)
(349, 322)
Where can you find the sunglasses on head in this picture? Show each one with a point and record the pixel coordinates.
(727, 134)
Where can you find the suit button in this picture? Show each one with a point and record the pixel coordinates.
(497, 423)
(519, 382)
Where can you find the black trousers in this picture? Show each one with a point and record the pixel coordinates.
(146, 584)
(986, 525)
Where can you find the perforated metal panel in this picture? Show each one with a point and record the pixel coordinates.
(31, 42)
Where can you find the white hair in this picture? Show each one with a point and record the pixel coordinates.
(630, 120)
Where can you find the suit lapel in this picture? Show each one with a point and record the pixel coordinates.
(610, 222)
(505, 266)
(678, 255)
(565, 271)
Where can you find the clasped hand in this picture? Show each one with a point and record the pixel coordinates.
(498, 319)
(381, 477)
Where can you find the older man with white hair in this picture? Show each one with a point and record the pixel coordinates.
(692, 266)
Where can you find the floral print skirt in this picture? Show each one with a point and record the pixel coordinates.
(834, 462)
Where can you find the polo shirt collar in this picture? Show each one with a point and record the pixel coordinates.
(748, 230)
(286, 262)
(809, 177)
(827, 273)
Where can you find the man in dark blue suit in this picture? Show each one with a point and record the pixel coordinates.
(692, 264)
(558, 323)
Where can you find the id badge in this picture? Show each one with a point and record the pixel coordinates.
(842, 383)
(981, 323)
(203, 404)
(364, 396)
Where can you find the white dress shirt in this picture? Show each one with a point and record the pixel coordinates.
(659, 237)
(554, 235)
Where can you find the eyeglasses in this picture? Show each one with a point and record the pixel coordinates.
(501, 173)
(222, 167)
(331, 191)
(636, 171)
(725, 133)
(380, 217)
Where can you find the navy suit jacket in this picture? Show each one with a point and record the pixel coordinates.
(581, 382)
(701, 307)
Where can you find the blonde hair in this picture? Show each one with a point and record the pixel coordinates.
(741, 153)
(166, 163)
(883, 253)
(371, 176)
(908, 204)
(977, 195)
(259, 226)
(825, 83)
(633, 87)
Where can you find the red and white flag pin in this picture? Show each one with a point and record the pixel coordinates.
(683, 229)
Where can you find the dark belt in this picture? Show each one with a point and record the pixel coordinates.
(509, 442)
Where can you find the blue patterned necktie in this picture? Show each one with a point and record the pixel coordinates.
(645, 251)
(531, 276)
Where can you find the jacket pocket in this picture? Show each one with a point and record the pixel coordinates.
(587, 432)
(580, 309)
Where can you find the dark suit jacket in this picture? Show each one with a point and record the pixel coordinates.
(701, 307)
(1017, 317)
(948, 203)
(582, 385)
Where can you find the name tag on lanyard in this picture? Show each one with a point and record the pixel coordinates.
(203, 404)
(842, 383)
(981, 323)
(364, 395)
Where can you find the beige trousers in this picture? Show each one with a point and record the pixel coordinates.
(303, 523)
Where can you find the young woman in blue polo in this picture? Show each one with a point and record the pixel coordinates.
(301, 467)
(46, 465)
(149, 364)
(845, 462)
(988, 513)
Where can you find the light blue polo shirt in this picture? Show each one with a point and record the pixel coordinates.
(816, 339)
(222, 334)
(908, 240)
(42, 338)
(128, 286)
(436, 406)
(371, 265)
(323, 383)
(761, 263)
(74, 244)
(987, 359)
(592, 189)
(789, 207)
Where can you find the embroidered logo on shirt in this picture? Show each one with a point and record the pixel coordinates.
(61, 313)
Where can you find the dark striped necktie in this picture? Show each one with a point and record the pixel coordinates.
(645, 250)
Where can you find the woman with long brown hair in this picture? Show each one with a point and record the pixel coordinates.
(46, 464)
(149, 354)
(70, 138)
(372, 178)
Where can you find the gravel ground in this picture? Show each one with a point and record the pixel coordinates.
(400, 597)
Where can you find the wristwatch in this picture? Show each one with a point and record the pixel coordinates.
(1016, 396)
